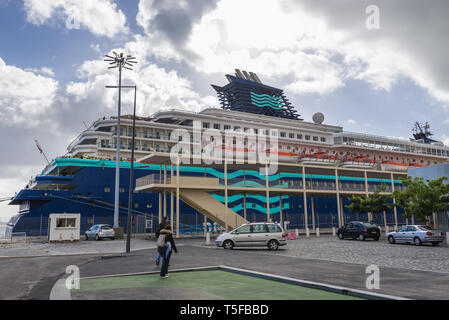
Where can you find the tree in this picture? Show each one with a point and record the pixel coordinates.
(374, 203)
(423, 197)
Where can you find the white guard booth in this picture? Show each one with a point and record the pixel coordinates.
(64, 227)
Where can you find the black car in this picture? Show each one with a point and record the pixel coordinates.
(359, 230)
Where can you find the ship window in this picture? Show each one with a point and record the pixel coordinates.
(307, 137)
(315, 138)
(206, 125)
(107, 189)
(283, 134)
(291, 135)
(227, 127)
(245, 129)
(266, 132)
(323, 139)
(299, 136)
(217, 126)
(256, 131)
(236, 128)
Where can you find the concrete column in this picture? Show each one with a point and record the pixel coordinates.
(244, 206)
(312, 204)
(370, 214)
(337, 188)
(267, 186)
(226, 193)
(165, 203)
(205, 226)
(172, 207)
(395, 210)
(385, 219)
(306, 221)
(160, 207)
(280, 210)
(177, 197)
(413, 219)
(434, 218)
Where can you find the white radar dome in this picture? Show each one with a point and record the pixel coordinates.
(318, 118)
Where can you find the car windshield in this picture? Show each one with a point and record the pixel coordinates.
(425, 228)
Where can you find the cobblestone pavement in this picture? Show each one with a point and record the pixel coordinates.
(380, 253)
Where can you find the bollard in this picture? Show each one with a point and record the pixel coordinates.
(447, 238)
(208, 238)
(334, 233)
(387, 230)
(297, 233)
(307, 232)
(317, 232)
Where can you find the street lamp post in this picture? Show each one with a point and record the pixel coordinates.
(119, 61)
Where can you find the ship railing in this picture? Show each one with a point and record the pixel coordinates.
(154, 178)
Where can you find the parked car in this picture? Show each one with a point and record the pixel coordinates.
(416, 234)
(269, 235)
(100, 232)
(359, 230)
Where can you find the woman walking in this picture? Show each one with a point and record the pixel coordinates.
(166, 245)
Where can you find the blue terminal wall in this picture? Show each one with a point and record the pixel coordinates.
(93, 197)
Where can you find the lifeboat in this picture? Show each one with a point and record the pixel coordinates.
(289, 157)
(358, 163)
(319, 158)
(397, 166)
(238, 153)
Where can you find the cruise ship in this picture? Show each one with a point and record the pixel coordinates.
(82, 181)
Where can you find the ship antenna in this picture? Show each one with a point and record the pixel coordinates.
(40, 150)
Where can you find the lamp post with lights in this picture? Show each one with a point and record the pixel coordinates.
(118, 61)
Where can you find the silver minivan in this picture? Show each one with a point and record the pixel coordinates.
(258, 234)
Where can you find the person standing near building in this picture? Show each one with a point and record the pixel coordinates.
(165, 251)
(162, 225)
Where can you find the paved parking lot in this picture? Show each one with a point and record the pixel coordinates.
(44, 248)
(380, 253)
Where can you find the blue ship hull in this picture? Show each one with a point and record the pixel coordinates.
(90, 192)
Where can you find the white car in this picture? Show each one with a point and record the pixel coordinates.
(416, 234)
(259, 234)
(100, 232)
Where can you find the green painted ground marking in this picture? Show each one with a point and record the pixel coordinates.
(222, 284)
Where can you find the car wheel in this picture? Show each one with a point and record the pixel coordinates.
(376, 238)
(391, 240)
(435, 244)
(273, 245)
(362, 237)
(112, 238)
(228, 244)
(417, 241)
(340, 236)
(86, 237)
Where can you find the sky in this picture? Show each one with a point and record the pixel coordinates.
(372, 66)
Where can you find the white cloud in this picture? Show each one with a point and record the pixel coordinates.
(25, 95)
(308, 46)
(157, 88)
(100, 17)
